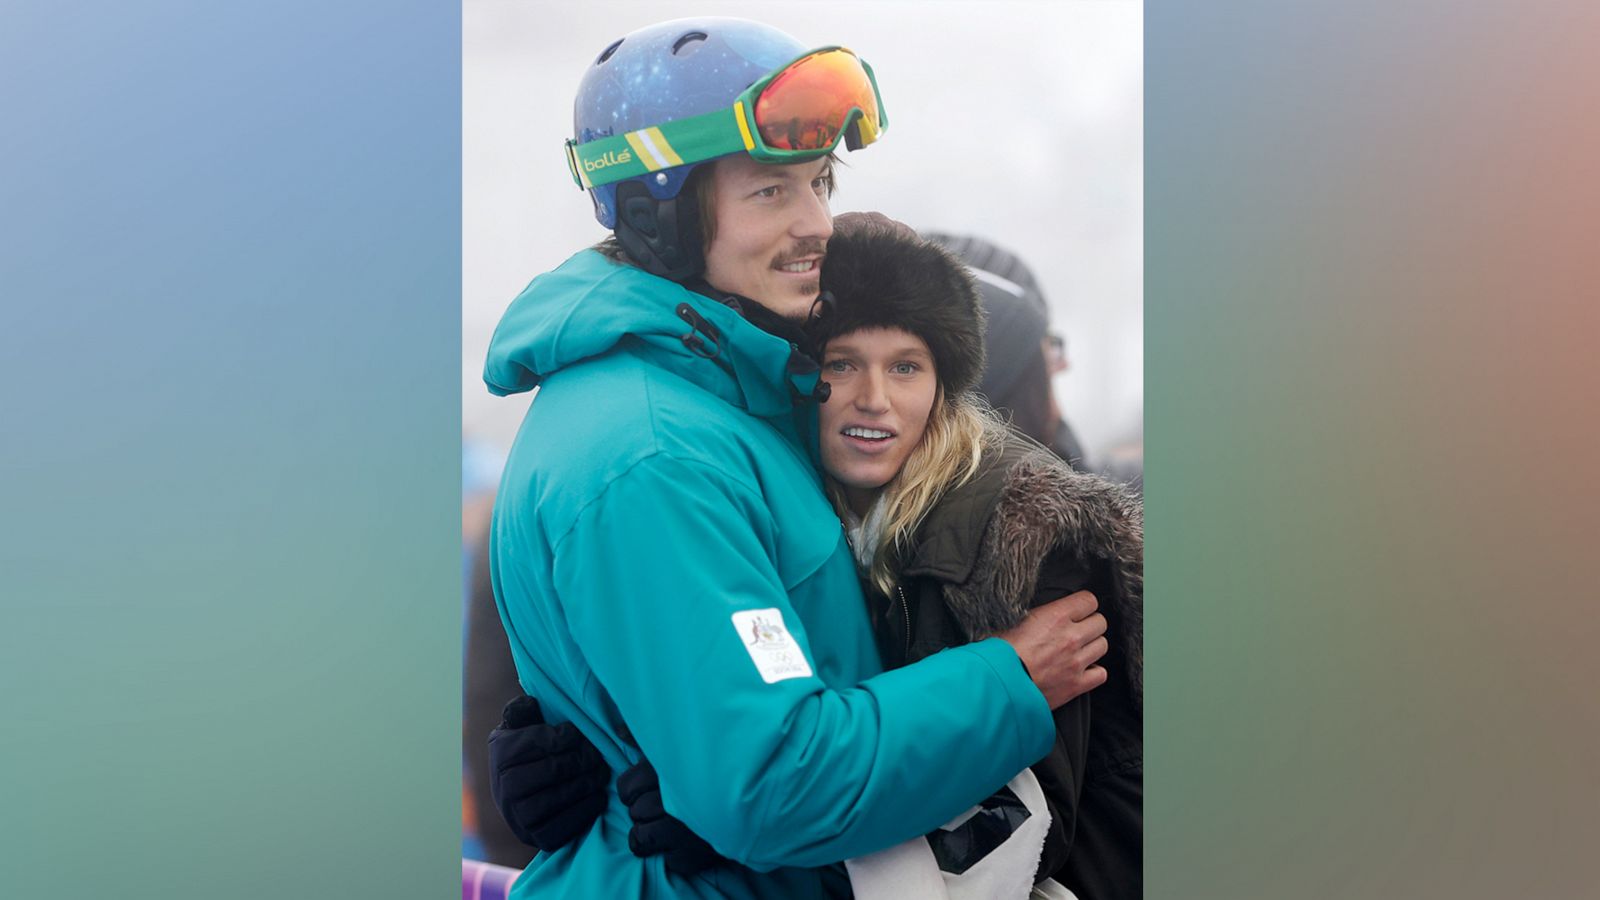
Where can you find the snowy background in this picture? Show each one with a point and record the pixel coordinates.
(1021, 122)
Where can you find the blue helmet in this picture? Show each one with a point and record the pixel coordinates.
(670, 71)
(662, 73)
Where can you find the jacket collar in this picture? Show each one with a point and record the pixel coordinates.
(988, 541)
(947, 543)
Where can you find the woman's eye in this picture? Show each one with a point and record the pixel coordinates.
(905, 368)
(837, 367)
(768, 192)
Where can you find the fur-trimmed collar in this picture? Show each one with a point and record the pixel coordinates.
(987, 540)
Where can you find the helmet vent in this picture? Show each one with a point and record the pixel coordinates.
(689, 43)
(606, 53)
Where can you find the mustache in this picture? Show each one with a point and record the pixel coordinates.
(801, 251)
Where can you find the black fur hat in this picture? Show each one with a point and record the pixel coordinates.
(882, 274)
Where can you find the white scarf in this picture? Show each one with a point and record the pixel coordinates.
(865, 534)
(909, 871)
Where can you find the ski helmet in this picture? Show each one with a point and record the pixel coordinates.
(669, 73)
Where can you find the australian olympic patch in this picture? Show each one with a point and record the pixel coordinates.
(776, 655)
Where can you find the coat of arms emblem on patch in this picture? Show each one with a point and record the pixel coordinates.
(772, 648)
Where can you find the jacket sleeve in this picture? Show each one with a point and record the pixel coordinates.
(652, 577)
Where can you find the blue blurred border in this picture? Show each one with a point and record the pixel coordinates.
(230, 249)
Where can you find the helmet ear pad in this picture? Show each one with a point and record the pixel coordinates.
(663, 237)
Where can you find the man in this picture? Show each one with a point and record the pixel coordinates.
(670, 576)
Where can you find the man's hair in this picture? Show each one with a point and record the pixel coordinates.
(701, 184)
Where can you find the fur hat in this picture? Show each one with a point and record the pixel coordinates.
(882, 274)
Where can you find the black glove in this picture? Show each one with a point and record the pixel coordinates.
(548, 781)
(654, 832)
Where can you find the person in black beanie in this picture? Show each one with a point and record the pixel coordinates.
(1016, 381)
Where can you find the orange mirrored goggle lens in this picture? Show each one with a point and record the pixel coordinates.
(808, 104)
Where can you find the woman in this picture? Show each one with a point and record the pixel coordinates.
(959, 526)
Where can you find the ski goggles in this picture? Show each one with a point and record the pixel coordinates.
(795, 113)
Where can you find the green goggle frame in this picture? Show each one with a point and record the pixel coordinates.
(710, 135)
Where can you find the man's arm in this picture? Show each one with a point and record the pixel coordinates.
(550, 783)
(680, 613)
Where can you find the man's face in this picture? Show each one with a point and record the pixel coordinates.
(772, 229)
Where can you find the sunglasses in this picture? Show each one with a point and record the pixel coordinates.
(795, 113)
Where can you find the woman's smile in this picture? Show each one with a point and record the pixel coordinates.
(883, 387)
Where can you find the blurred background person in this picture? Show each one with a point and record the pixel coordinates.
(1021, 351)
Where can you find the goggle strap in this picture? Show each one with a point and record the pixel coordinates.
(572, 165)
(703, 137)
(624, 156)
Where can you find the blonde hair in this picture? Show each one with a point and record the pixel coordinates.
(959, 431)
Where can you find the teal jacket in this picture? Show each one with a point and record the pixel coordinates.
(666, 565)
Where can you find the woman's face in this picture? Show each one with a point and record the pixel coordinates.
(883, 389)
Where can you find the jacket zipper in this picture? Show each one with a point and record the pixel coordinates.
(906, 609)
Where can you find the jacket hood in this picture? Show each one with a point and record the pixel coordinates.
(590, 305)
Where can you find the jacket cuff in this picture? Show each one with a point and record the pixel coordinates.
(1036, 727)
